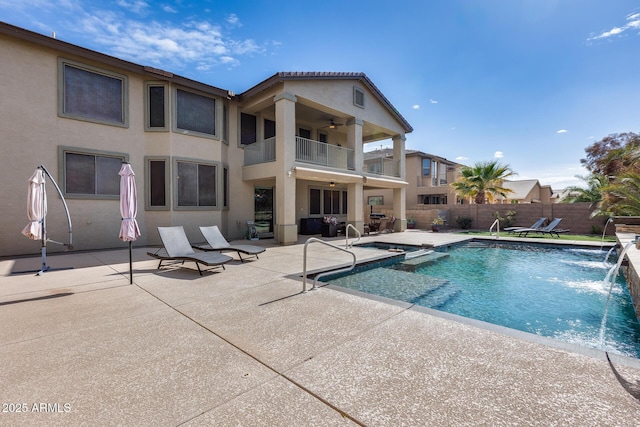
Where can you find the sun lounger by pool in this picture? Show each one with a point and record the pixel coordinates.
(217, 242)
(550, 229)
(534, 226)
(176, 247)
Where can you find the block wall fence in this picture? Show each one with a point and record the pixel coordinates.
(575, 216)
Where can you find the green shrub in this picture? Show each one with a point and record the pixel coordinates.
(507, 220)
(464, 222)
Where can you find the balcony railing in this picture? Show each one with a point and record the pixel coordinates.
(260, 152)
(320, 153)
(382, 166)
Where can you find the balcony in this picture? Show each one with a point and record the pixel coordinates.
(260, 152)
(383, 166)
(307, 151)
(320, 153)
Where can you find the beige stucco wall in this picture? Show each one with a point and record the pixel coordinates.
(339, 95)
(33, 132)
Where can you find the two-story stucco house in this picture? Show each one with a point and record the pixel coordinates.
(428, 177)
(287, 149)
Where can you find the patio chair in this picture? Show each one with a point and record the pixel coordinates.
(176, 247)
(550, 229)
(217, 242)
(535, 225)
(388, 226)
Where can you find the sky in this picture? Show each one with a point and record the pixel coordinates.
(530, 82)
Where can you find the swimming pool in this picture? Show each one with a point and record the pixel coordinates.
(546, 290)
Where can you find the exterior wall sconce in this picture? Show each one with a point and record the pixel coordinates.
(332, 184)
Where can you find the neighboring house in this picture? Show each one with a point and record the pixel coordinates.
(527, 191)
(287, 150)
(561, 194)
(429, 178)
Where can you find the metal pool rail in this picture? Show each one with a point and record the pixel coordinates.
(304, 263)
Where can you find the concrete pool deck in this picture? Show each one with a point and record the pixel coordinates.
(244, 346)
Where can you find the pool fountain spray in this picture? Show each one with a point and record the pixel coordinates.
(604, 231)
(611, 279)
(606, 258)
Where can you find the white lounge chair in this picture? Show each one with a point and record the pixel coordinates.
(217, 242)
(176, 247)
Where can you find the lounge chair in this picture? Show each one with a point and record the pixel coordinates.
(217, 242)
(534, 226)
(176, 247)
(550, 229)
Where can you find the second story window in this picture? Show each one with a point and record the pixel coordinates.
(426, 167)
(88, 93)
(157, 107)
(195, 113)
(248, 129)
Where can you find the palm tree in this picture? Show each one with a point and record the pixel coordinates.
(592, 194)
(621, 197)
(483, 181)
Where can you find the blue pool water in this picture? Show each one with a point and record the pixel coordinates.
(549, 291)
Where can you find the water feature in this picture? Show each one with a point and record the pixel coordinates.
(605, 231)
(606, 258)
(610, 279)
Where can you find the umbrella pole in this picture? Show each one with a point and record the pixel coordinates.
(43, 224)
(130, 265)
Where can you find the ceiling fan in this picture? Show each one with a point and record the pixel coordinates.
(333, 125)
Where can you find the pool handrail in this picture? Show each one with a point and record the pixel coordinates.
(326, 273)
(346, 235)
(496, 223)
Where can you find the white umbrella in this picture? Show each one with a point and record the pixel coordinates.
(36, 206)
(129, 230)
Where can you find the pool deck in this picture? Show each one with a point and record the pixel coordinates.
(245, 347)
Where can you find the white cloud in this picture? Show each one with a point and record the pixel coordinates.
(169, 9)
(633, 21)
(562, 131)
(461, 158)
(135, 6)
(234, 20)
(416, 106)
(498, 154)
(432, 101)
(199, 44)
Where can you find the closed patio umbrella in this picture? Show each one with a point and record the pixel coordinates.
(37, 214)
(129, 230)
(36, 206)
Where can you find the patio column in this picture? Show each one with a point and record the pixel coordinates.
(399, 194)
(354, 142)
(286, 230)
(355, 210)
